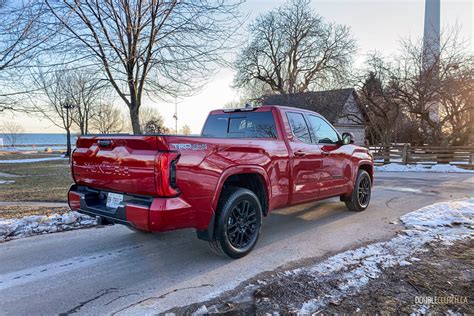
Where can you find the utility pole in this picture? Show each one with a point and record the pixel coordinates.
(175, 116)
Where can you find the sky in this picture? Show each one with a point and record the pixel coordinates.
(375, 24)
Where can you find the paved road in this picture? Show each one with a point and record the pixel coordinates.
(113, 270)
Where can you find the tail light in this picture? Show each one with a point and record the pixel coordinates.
(173, 174)
(165, 173)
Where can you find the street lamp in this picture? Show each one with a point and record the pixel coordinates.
(68, 106)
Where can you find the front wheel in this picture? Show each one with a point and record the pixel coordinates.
(238, 223)
(360, 197)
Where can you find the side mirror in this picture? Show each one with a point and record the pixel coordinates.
(347, 138)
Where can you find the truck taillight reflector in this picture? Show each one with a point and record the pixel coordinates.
(74, 200)
(165, 173)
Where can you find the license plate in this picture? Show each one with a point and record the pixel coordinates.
(114, 200)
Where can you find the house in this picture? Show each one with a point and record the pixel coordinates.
(341, 107)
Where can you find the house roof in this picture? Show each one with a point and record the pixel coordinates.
(329, 104)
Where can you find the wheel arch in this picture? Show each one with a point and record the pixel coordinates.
(232, 176)
(253, 178)
(367, 166)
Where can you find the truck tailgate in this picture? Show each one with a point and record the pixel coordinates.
(116, 163)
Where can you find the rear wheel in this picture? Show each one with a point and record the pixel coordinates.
(360, 197)
(238, 223)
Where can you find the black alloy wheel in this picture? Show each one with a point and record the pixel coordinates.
(363, 193)
(238, 223)
(360, 197)
(242, 224)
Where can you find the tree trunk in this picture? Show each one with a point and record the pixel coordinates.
(135, 118)
(386, 148)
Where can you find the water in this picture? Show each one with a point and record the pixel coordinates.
(29, 141)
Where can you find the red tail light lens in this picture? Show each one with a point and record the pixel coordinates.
(165, 173)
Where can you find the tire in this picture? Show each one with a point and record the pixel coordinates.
(360, 197)
(238, 223)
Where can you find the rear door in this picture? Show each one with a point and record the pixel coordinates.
(333, 181)
(306, 160)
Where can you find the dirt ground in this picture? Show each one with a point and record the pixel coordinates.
(442, 272)
(444, 275)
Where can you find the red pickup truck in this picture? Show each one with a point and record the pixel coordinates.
(246, 163)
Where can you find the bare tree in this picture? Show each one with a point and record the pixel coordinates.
(446, 84)
(155, 126)
(185, 130)
(153, 48)
(152, 122)
(456, 97)
(84, 88)
(108, 119)
(292, 50)
(54, 102)
(380, 105)
(11, 130)
(21, 40)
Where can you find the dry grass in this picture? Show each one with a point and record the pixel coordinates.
(21, 211)
(5, 155)
(40, 181)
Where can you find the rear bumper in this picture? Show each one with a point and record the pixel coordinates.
(145, 213)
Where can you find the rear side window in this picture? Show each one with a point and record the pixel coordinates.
(241, 125)
(298, 126)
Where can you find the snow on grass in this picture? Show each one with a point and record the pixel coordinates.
(7, 181)
(31, 160)
(353, 269)
(438, 168)
(42, 224)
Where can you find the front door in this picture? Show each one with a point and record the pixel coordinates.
(306, 160)
(333, 178)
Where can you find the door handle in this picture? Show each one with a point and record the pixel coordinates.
(300, 153)
(325, 153)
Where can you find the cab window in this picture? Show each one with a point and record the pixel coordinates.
(241, 125)
(323, 131)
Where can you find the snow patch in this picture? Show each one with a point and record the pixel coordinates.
(42, 224)
(6, 181)
(31, 160)
(447, 221)
(348, 272)
(437, 168)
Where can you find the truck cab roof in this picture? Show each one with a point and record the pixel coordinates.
(263, 108)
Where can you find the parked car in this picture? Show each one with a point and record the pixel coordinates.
(246, 163)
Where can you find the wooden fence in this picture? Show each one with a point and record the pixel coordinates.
(462, 156)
